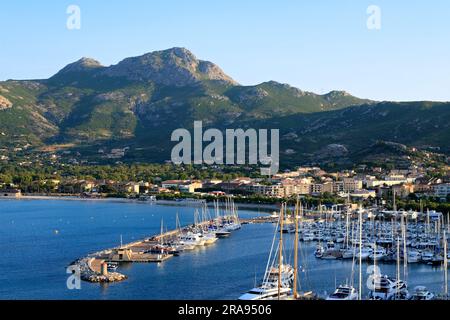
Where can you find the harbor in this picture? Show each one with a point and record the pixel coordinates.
(100, 267)
(372, 237)
(231, 266)
(369, 237)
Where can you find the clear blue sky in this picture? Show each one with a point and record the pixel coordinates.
(316, 45)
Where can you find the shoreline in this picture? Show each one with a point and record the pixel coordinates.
(264, 208)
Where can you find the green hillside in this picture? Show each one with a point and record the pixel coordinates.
(141, 100)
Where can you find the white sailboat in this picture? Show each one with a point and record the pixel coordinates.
(278, 278)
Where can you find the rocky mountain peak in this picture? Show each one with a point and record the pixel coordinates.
(173, 67)
(84, 64)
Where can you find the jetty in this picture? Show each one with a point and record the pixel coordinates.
(95, 267)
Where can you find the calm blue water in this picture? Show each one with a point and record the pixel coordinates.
(38, 239)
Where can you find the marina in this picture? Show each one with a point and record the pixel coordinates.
(205, 231)
(231, 266)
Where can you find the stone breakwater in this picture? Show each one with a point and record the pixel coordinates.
(94, 267)
(111, 277)
(90, 271)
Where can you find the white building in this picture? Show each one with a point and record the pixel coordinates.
(441, 190)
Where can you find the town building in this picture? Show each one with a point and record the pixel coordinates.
(441, 190)
(10, 193)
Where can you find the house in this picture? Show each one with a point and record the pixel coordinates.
(275, 190)
(121, 255)
(10, 193)
(186, 186)
(351, 184)
(129, 187)
(190, 186)
(441, 190)
(403, 190)
(296, 186)
(320, 188)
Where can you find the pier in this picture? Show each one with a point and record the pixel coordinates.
(94, 267)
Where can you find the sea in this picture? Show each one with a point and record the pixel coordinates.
(40, 238)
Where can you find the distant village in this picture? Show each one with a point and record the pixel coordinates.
(312, 181)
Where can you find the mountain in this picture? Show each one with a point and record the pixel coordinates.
(365, 133)
(174, 67)
(138, 102)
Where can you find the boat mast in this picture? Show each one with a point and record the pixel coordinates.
(398, 266)
(360, 254)
(347, 231)
(280, 250)
(162, 231)
(405, 255)
(445, 266)
(296, 247)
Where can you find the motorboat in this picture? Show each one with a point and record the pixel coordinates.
(414, 256)
(222, 233)
(386, 288)
(266, 293)
(422, 293)
(269, 287)
(319, 252)
(209, 237)
(427, 256)
(348, 253)
(344, 292)
(378, 254)
(191, 239)
(363, 253)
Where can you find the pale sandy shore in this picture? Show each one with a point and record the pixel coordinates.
(265, 208)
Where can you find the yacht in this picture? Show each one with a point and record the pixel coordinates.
(163, 249)
(378, 254)
(269, 288)
(319, 252)
(364, 253)
(414, 256)
(232, 226)
(222, 233)
(427, 256)
(331, 252)
(191, 239)
(344, 292)
(278, 278)
(209, 237)
(308, 237)
(265, 293)
(348, 253)
(422, 293)
(386, 288)
(437, 260)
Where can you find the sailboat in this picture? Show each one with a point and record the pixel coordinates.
(232, 222)
(208, 234)
(278, 278)
(161, 247)
(221, 232)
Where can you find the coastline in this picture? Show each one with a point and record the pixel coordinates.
(264, 208)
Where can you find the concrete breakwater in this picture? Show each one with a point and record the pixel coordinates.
(96, 267)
